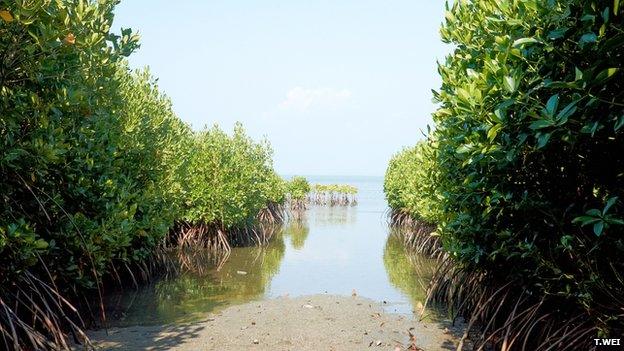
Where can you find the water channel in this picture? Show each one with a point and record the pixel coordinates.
(330, 250)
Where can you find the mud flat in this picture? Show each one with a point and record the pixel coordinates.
(318, 322)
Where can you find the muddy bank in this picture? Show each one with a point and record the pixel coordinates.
(319, 322)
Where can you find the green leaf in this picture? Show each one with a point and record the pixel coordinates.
(566, 112)
(464, 149)
(498, 116)
(609, 204)
(551, 105)
(522, 138)
(619, 123)
(616, 221)
(523, 41)
(616, 7)
(463, 94)
(594, 212)
(588, 17)
(494, 131)
(606, 74)
(591, 128)
(605, 15)
(510, 84)
(585, 220)
(41, 244)
(587, 38)
(542, 140)
(540, 124)
(598, 227)
(557, 33)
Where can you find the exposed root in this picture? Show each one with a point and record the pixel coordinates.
(330, 198)
(35, 316)
(500, 315)
(273, 213)
(201, 235)
(297, 205)
(416, 235)
(507, 316)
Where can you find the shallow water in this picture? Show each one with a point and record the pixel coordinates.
(333, 250)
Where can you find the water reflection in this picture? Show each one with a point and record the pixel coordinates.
(325, 216)
(202, 286)
(332, 250)
(408, 271)
(298, 231)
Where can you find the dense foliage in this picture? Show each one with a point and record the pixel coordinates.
(409, 183)
(95, 166)
(229, 178)
(528, 152)
(335, 188)
(298, 188)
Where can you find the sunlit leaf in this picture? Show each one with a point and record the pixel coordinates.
(523, 41)
(510, 84)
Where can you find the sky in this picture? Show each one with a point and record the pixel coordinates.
(336, 86)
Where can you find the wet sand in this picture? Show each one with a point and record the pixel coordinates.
(319, 322)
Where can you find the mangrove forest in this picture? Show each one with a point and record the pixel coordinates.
(500, 227)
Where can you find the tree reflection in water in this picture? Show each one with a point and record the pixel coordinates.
(298, 231)
(203, 285)
(410, 272)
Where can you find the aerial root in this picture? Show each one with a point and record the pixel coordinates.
(504, 316)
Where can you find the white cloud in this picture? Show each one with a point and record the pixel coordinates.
(302, 99)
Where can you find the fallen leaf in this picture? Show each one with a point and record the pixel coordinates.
(6, 16)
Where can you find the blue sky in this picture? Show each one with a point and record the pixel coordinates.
(336, 86)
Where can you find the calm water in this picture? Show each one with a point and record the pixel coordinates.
(333, 250)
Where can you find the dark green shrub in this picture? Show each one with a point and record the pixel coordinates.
(409, 183)
(529, 167)
(229, 179)
(96, 167)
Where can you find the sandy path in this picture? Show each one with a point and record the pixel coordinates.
(320, 322)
